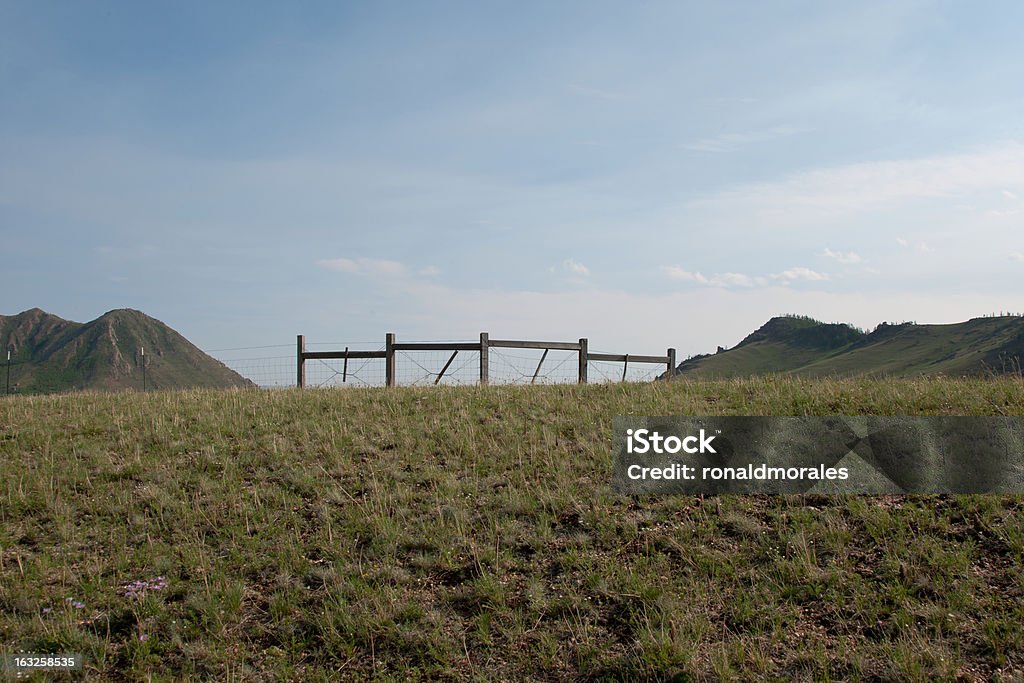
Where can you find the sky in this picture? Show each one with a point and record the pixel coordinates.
(645, 175)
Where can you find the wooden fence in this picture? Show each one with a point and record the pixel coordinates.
(391, 345)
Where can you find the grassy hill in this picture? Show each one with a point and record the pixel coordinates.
(810, 348)
(50, 354)
(472, 534)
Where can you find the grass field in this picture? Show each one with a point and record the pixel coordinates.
(471, 534)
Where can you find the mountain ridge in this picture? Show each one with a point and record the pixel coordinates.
(50, 354)
(802, 346)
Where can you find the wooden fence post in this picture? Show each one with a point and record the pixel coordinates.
(389, 359)
(583, 361)
(671, 365)
(485, 360)
(300, 379)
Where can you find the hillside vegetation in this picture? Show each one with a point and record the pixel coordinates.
(810, 348)
(50, 354)
(471, 534)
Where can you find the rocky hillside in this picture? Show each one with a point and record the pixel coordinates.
(50, 354)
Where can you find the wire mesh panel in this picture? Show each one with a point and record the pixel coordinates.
(339, 372)
(333, 372)
(265, 366)
(601, 371)
(424, 368)
(533, 366)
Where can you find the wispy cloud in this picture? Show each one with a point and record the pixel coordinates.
(810, 196)
(126, 252)
(576, 268)
(587, 91)
(728, 142)
(919, 246)
(727, 100)
(742, 280)
(682, 275)
(364, 266)
(799, 274)
(847, 258)
(734, 280)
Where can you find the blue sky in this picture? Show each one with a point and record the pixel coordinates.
(642, 174)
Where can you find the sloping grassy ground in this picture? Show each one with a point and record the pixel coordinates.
(980, 347)
(470, 533)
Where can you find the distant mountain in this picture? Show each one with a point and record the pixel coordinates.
(805, 347)
(50, 354)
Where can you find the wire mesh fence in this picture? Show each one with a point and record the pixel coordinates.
(424, 368)
(533, 366)
(601, 371)
(321, 373)
(268, 367)
(339, 372)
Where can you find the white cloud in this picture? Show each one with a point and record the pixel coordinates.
(742, 280)
(1016, 256)
(683, 275)
(728, 142)
(576, 268)
(922, 247)
(847, 258)
(732, 280)
(364, 266)
(812, 196)
(429, 271)
(799, 273)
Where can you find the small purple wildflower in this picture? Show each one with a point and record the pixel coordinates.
(47, 610)
(137, 589)
(143, 637)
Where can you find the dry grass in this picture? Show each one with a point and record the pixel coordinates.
(471, 533)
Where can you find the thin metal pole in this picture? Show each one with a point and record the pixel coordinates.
(446, 365)
(537, 371)
(8, 391)
(142, 354)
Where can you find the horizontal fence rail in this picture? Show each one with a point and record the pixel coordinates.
(479, 354)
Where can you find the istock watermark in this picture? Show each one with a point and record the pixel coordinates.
(872, 455)
(644, 441)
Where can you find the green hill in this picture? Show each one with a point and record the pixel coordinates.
(810, 348)
(50, 354)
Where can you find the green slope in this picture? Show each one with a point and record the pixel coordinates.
(50, 354)
(805, 347)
